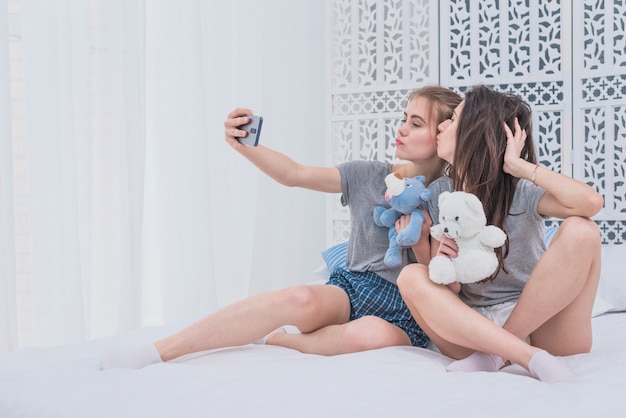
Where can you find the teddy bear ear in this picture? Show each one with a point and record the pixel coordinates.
(474, 203)
(443, 196)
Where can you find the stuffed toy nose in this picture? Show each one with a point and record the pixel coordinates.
(395, 185)
(452, 229)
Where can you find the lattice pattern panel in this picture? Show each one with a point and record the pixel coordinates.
(604, 157)
(514, 46)
(362, 103)
(611, 232)
(495, 39)
(381, 43)
(568, 59)
(380, 50)
(599, 79)
(604, 24)
(611, 87)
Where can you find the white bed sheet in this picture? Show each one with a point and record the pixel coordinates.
(277, 382)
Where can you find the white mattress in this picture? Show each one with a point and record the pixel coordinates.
(277, 382)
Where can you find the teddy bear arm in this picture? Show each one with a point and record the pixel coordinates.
(415, 224)
(411, 234)
(492, 236)
(389, 217)
(393, 256)
(378, 211)
(436, 231)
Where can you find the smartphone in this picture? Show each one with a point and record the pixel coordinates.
(254, 131)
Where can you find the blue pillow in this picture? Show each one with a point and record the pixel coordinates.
(550, 231)
(335, 256)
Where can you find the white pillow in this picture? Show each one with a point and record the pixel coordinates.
(321, 272)
(612, 286)
(601, 306)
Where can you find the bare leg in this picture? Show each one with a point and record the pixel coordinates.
(554, 308)
(438, 311)
(367, 333)
(243, 322)
(458, 330)
(307, 307)
(556, 303)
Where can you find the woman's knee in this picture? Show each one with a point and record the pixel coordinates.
(579, 234)
(412, 280)
(370, 332)
(300, 299)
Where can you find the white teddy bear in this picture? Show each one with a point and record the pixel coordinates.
(462, 218)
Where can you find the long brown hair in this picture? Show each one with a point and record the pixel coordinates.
(479, 154)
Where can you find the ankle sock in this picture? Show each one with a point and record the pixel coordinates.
(547, 368)
(477, 362)
(130, 358)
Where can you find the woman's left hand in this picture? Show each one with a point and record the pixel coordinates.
(514, 144)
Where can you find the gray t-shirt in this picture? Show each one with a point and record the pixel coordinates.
(362, 188)
(526, 233)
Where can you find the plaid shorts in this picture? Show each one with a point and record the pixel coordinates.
(370, 294)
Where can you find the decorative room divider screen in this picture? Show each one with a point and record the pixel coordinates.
(568, 59)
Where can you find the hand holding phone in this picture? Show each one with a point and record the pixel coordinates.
(254, 131)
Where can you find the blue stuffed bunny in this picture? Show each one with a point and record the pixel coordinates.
(405, 195)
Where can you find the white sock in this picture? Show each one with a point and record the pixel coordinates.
(130, 358)
(263, 340)
(547, 368)
(477, 362)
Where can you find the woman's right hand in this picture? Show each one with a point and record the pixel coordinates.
(234, 119)
(277, 165)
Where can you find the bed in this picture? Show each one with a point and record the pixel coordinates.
(268, 381)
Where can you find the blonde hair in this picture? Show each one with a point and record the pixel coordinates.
(443, 101)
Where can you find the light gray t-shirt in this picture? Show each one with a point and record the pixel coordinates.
(362, 188)
(526, 231)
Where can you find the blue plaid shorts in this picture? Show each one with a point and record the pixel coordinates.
(370, 294)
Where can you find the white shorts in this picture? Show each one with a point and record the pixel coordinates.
(495, 313)
(498, 313)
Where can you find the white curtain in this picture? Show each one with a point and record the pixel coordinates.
(120, 203)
